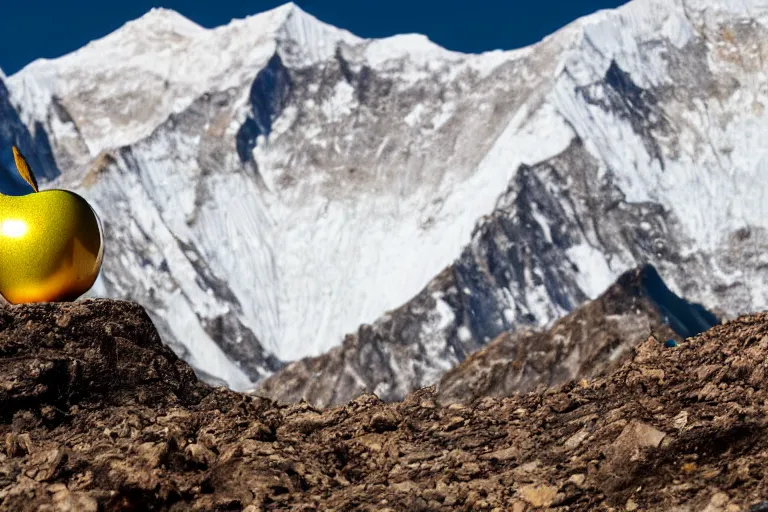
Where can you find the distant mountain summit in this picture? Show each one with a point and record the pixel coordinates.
(270, 185)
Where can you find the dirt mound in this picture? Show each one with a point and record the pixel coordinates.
(98, 415)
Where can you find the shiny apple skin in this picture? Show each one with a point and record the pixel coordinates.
(50, 247)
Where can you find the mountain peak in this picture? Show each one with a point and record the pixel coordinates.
(289, 8)
(155, 24)
(305, 39)
(163, 15)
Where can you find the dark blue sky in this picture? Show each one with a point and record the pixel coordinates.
(30, 29)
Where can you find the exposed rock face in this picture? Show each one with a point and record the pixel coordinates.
(99, 352)
(96, 414)
(593, 340)
(389, 357)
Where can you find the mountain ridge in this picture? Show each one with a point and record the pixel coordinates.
(591, 341)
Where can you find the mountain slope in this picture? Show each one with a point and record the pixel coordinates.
(268, 186)
(399, 353)
(592, 340)
(642, 180)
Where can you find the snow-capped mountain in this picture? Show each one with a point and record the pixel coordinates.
(269, 185)
(664, 163)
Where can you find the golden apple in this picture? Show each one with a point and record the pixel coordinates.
(50, 243)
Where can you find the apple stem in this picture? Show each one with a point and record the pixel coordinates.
(23, 167)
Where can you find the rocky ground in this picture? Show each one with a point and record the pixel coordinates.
(96, 414)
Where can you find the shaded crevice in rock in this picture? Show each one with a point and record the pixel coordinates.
(344, 66)
(34, 145)
(241, 345)
(620, 96)
(684, 318)
(269, 95)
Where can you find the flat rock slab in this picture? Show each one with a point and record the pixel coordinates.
(96, 414)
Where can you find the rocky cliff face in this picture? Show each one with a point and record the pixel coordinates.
(270, 185)
(592, 340)
(97, 414)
